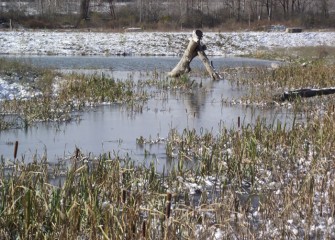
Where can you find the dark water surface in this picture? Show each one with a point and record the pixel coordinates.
(114, 128)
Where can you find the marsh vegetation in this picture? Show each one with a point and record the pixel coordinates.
(264, 180)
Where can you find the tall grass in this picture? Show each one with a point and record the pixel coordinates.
(263, 84)
(60, 96)
(260, 181)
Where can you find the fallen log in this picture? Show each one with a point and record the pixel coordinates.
(304, 93)
(293, 30)
(194, 48)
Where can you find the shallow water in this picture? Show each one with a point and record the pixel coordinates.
(130, 63)
(115, 129)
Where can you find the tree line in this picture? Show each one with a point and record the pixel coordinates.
(170, 13)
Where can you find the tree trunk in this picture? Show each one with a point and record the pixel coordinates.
(84, 9)
(111, 9)
(184, 64)
(194, 48)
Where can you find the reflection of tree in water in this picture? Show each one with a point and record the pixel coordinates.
(194, 102)
(197, 98)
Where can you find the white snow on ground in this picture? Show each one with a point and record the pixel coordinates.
(151, 43)
(11, 91)
(32, 42)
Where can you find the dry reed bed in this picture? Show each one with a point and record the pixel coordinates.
(60, 97)
(263, 84)
(256, 182)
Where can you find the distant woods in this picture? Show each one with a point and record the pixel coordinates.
(167, 14)
(86, 4)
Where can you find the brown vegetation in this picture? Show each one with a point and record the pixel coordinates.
(167, 14)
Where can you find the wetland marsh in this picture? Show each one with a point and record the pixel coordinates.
(183, 158)
(154, 107)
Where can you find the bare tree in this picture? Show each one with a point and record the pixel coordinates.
(84, 9)
(111, 8)
(285, 7)
(187, 13)
(269, 5)
(324, 7)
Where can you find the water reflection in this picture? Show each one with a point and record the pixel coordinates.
(115, 128)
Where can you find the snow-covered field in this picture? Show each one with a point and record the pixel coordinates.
(29, 42)
(152, 43)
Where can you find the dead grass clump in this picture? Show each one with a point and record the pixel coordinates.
(56, 97)
(264, 83)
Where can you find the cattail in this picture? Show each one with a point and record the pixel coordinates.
(144, 228)
(124, 196)
(15, 148)
(168, 205)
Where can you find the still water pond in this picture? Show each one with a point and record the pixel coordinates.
(114, 128)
